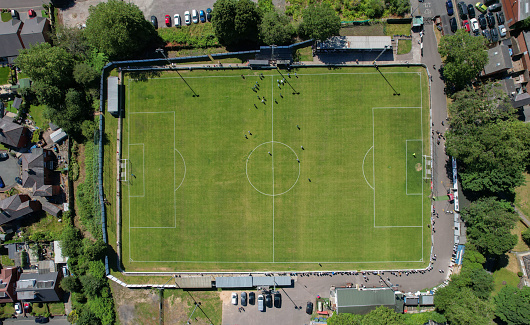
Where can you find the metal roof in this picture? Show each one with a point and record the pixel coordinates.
(112, 94)
(270, 281)
(426, 300)
(194, 282)
(233, 282)
(356, 43)
(351, 300)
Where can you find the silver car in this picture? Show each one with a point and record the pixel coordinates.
(502, 30)
(261, 303)
(194, 16)
(187, 19)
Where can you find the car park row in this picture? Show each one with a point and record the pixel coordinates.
(195, 17)
(265, 300)
(485, 20)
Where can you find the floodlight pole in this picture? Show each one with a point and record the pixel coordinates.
(161, 51)
(377, 68)
(196, 305)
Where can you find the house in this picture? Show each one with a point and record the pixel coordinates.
(10, 41)
(13, 134)
(37, 287)
(8, 278)
(17, 206)
(362, 301)
(35, 31)
(499, 61)
(37, 172)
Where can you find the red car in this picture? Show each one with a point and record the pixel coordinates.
(32, 13)
(168, 20)
(465, 24)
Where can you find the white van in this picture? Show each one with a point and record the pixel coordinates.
(261, 303)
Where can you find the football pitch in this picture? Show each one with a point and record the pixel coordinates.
(327, 168)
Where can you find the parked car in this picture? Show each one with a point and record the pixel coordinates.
(194, 16)
(268, 300)
(187, 19)
(65, 271)
(502, 30)
(495, 7)
(453, 25)
(474, 26)
(494, 35)
(18, 308)
(309, 308)
(490, 19)
(168, 20)
(42, 320)
(500, 18)
(14, 14)
(209, 14)
(482, 22)
(462, 10)
(489, 2)
(251, 298)
(176, 20)
(481, 7)
(487, 35)
(465, 25)
(449, 6)
(277, 300)
(243, 298)
(261, 303)
(234, 298)
(470, 11)
(202, 16)
(18, 180)
(3, 155)
(32, 13)
(154, 22)
(2, 185)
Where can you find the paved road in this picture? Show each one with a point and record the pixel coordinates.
(58, 320)
(23, 4)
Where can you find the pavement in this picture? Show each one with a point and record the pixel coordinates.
(57, 320)
(21, 5)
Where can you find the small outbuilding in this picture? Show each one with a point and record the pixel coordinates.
(113, 98)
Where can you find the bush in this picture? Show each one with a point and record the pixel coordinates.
(197, 35)
(526, 236)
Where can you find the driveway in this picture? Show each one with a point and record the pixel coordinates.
(9, 169)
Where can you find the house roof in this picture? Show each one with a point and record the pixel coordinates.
(50, 208)
(10, 132)
(9, 39)
(38, 287)
(33, 165)
(499, 60)
(33, 31)
(15, 207)
(8, 276)
(351, 300)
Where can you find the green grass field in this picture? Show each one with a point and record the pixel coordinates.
(205, 194)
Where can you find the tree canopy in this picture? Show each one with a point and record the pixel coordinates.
(345, 319)
(462, 307)
(383, 316)
(489, 222)
(464, 56)
(478, 280)
(236, 21)
(319, 22)
(276, 28)
(118, 29)
(492, 146)
(512, 305)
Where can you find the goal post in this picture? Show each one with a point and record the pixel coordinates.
(124, 170)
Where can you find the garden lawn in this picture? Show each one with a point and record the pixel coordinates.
(4, 75)
(213, 182)
(404, 46)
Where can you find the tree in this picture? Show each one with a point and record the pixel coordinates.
(320, 21)
(375, 8)
(383, 316)
(491, 145)
(526, 236)
(70, 241)
(400, 7)
(513, 305)
(276, 28)
(118, 29)
(92, 285)
(72, 39)
(71, 284)
(86, 75)
(478, 280)
(46, 64)
(461, 307)
(236, 21)
(464, 57)
(87, 317)
(489, 222)
(345, 319)
(472, 258)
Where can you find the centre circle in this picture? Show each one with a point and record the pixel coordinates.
(273, 168)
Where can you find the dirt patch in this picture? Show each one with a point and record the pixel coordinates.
(418, 167)
(135, 306)
(513, 265)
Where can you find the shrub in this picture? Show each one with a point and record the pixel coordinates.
(526, 236)
(201, 36)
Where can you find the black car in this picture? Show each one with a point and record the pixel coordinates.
(453, 24)
(500, 18)
(494, 35)
(42, 320)
(489, 2)
(462, 10)
(482, 21)
(209, 14)
(309, 308)
(487, 35)
(471, 11)
(2, 185)
(490, 19)
(243, 298)
(154, 21)
(277, 300)
(3, 155)
(251, 298)
(268, 300)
